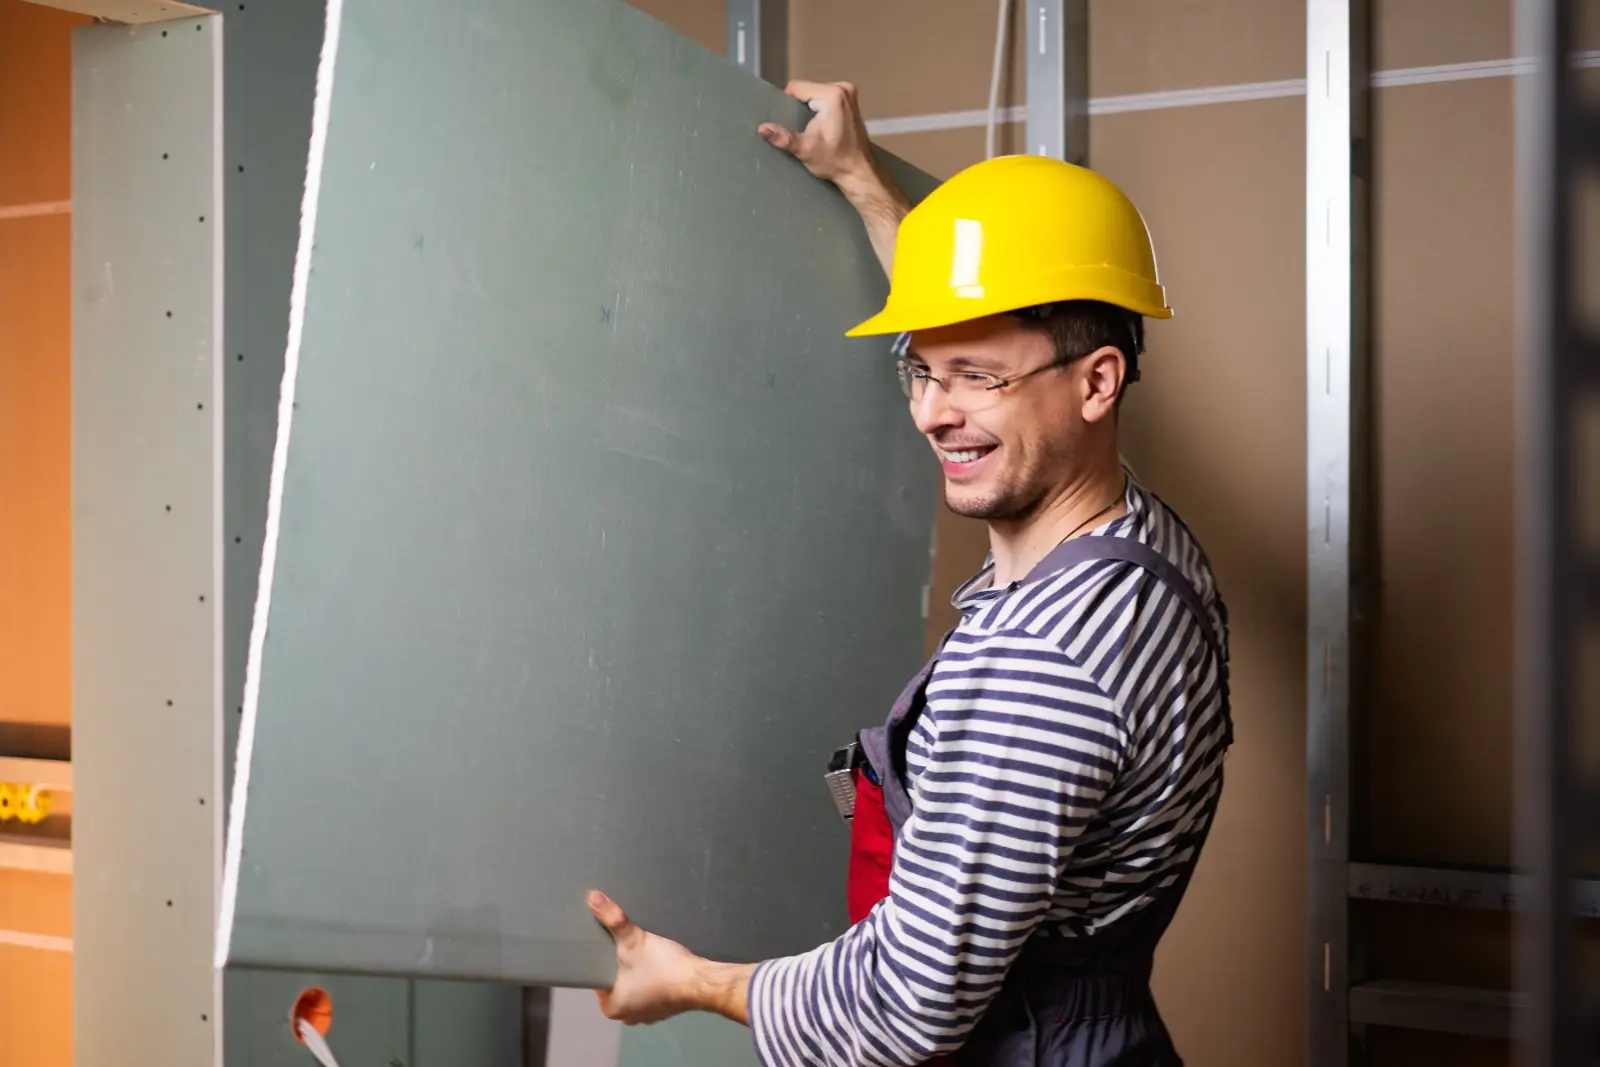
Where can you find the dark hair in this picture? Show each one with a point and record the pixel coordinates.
(1078, 327)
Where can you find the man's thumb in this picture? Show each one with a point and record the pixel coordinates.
(610, 915)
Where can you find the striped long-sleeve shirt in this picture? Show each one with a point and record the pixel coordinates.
(1059, 775)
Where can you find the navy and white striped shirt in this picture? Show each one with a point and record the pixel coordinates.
(1059, 777)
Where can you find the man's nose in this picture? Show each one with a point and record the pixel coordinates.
(932, 411)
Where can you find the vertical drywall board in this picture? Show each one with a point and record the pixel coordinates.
(269, 81)
(146, 470)
(594, 534)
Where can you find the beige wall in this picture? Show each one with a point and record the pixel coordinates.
(1218, 428)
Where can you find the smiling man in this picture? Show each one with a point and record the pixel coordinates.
(1028, 818)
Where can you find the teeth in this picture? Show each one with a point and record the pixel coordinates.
(960, 457)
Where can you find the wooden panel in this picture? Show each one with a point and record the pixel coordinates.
(35, 390)
(131, 11)
(35, 903)
(1222, 189)
(1417, 33)
(35, 981)
(35, 399)
(907, 57)
(913, 57)
(703, 21)
(35, 996)
(1441, 735)
(919, 56)
(35, 102)
(1143, 46)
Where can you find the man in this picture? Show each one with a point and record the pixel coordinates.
(1048, 782)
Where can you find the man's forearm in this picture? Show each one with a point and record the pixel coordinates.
(881, 206)
(723, 989)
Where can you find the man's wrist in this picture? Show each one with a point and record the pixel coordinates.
(723, 989)
(870, 191)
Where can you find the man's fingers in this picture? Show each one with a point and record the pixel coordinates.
(807, 92)
(778, 136)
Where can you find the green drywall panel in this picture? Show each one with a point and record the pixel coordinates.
(466, 1024)
(146, 564)
(688, 1041)
(595, 534)
(270, 55)
(372, 1021)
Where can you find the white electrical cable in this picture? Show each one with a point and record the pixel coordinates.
(1001, 31)
(316, 1043)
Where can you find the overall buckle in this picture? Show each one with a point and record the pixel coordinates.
(841, 778)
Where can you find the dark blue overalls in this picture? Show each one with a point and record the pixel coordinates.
(1066, 1002)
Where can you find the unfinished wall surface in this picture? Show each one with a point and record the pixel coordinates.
(35, 565)
(1218, 427)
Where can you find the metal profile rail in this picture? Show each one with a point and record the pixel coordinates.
(1487, 890)
(1343, 999)
(758, 37)
(1558, 154)
(1337, 496)
(1439, 1008)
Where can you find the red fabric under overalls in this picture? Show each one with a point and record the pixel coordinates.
(1064, 1003)
(871, 850)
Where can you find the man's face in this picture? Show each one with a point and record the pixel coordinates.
(1004, 452)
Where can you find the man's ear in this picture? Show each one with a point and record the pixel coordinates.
(1104, 371)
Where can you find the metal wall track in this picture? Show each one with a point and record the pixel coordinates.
(1558, 171)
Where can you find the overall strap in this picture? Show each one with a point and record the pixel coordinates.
(1080, 550)
(884, 746)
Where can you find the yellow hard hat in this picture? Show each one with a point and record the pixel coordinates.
(1013, 232)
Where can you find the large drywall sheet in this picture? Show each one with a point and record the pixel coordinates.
(146, 565)
(595, 535)
(269, 81)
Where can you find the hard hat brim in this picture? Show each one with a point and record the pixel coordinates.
(1135, 295)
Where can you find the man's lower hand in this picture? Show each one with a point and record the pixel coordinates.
(658, 978)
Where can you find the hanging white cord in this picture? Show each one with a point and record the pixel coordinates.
(316, 1043)
(1001, 31)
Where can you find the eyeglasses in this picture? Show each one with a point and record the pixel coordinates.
(967, 390)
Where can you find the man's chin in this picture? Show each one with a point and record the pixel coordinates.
(989, 505)
(970, 505)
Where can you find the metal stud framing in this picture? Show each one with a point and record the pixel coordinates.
(1337, 485)
(1558, 155)
(758, 38)
(1058, 79)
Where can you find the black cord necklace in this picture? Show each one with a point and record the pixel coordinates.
(1121, 493)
